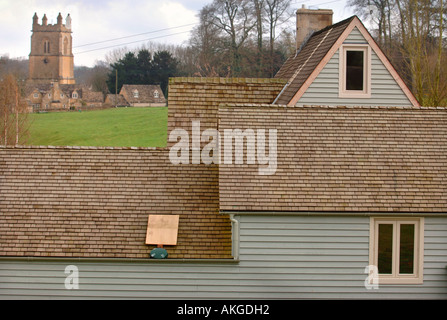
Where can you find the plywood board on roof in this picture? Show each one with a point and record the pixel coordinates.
(162, 229)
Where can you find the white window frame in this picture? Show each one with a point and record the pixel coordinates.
(418, 268)
(136, 94)
(366, 92)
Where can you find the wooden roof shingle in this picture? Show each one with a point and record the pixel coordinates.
(340, 159)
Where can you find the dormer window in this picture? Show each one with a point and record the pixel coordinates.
(156, 94)
(355, 71)
(136, 94)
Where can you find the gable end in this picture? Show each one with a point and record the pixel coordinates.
(358, 34)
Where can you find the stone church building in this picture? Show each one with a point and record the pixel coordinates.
(51, 84)
(51, 57)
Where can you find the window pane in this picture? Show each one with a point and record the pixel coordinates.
(406, 256)
(354, 70)
(385, 258)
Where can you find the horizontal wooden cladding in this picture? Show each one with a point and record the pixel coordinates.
(384, 90)
(324, 255)
(316, 257)
(96, 203)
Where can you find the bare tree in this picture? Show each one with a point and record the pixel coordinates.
(115, 55)
(235, 19)
(422, 43)
(98, 77)
(231, 36)
(412, 33)
(15, 66)
(379, 12)
(259, 15)
(13, 113)
(277, 12)
(207, 43)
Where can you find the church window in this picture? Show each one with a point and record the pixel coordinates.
(46, 46)
(65, 46)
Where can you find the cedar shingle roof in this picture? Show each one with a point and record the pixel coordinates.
(299, 67)
(95, 202)
(84, 92)
(114, 99)
(343, 159)
(92, 96)
(145, 93)
(40, 87)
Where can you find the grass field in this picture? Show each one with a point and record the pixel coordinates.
(117, 127)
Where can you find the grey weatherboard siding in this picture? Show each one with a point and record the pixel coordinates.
(284, 256)
(384, 89)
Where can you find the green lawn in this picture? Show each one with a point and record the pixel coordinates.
(117, 127)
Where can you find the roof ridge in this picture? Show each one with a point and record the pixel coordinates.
(295, 74)
(335, 25)
(264, 105)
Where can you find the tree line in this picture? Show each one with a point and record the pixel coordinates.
(253, 38)
(234, 38)
(142, 68)
(13, 112)
(412, 33)
(242, 38)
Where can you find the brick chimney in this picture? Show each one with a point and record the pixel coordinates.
(309, 20)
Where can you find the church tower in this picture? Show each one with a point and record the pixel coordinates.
(51, 57)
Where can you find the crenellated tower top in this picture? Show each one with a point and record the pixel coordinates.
(51, 57)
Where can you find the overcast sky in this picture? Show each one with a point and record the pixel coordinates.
(101, 20)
